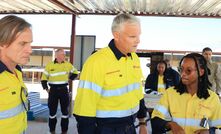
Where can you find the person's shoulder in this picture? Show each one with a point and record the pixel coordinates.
(171, 90)
(99, 56)
(49, 63)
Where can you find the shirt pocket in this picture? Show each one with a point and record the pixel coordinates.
(114, 79)
(6, 97)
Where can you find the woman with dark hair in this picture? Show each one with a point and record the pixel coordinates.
(159, 80)
(190, 107)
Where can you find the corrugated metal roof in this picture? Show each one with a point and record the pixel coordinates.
(189, 8)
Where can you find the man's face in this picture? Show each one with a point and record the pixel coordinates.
(61, 55)
(19, 51)
(128, 37)
(207, 55)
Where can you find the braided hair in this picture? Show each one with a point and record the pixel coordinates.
(203, 81)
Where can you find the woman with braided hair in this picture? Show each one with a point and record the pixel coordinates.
(191, 107)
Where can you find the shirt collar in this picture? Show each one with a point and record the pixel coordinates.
(3, 67)
(116, 51)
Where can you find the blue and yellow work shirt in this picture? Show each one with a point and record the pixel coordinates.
(13, 118)
(58, 73)
(110, 85)
(188, 111)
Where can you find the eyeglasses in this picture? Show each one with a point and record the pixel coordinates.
(25, 103)
(187, 71)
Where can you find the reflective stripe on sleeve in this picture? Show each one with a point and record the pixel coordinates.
(162, 110)
(12, 112)
(116, 113)
(46, 73)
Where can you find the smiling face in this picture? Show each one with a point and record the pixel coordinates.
(128, 37)
(19, 51)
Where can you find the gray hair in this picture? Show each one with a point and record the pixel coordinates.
(121, 19)
(10, 26)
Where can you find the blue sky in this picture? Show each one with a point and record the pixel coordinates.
(160, 33)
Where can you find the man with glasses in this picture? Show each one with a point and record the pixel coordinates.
(15, 48)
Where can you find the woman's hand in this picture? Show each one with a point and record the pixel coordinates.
(175, 128)
(202, 131)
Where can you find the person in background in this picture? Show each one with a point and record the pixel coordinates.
(190, 107)
(57, 74)
(15, 48)
(158, 81)
(171, 72)
(215, 71)
(110, 95)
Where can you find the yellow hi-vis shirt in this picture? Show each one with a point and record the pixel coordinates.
(58, 73)
(13, 118)
(187, 110)
(161, 87)
(109, 87)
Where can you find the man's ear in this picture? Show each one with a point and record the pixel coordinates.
(2, 47)
(116, 35)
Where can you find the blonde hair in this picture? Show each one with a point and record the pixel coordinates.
(121, 19)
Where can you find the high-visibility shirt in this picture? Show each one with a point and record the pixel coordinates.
(188, 111)
(58, 73)
(13, 117)
(161, 86)
(109, 87)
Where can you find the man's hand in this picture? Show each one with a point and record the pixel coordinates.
(202, 131)
(175, 128)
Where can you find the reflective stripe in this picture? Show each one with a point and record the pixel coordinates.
(12, 112)
(64, 116)
(46, 73)
(187, 122)
(57, 74)
(121, 91)
(52, 117)
(58, 82)
(90, 85)
(116, 113)
(110, 92)
(161, 86)
(73, 70)
(215, 123)
(163, 110)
